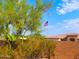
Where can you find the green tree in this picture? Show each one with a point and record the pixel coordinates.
(21, 16)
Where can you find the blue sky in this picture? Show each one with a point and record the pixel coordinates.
(63, 17)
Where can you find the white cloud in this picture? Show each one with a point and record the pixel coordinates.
(68, 6)
(66, 26)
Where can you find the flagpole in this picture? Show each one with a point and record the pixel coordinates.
(47, 30)
(46, 25)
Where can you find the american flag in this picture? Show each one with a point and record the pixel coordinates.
(46, 23)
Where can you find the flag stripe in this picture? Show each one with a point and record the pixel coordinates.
(46, 23)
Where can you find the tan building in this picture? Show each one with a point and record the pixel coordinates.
(64, 37)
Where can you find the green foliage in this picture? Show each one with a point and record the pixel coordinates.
(11, 37)
(23, 16)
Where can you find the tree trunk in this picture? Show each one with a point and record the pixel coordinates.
(48, 53)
